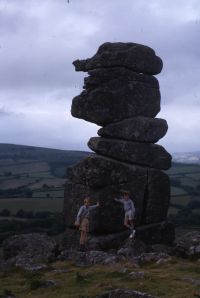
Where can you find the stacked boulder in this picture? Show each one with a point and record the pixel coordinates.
(122, 95)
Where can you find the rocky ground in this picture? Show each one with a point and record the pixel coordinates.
(33, 265)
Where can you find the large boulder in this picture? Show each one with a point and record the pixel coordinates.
(115, 101)
(142, 129)
(136, 57)
(101, 76)
(188, 245)
(99, 171)
(103, 179)
(29, 251)
(132, 248)
(146, 154)
(34, 245)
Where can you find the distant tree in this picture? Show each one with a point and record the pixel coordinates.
(29, 214)
(20, 213)
(5, 212)
(28, 193)
(8, 173)
(45, 186)
(194, 204)
(175, 182)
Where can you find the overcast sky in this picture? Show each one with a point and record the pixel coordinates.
(39, 40)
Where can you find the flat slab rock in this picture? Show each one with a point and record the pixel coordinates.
(116, 100)
(146, 154)
(125, 293)
(99, 171)
(101, 76)
(133, 56)
(143, 129)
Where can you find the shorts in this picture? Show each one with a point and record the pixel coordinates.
(129, 215)
(84, 226)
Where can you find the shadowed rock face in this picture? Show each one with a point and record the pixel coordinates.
(141, 129)
(122, 95)
(146, 154)
(116, 100)
(136, 57)
(110, 216)
(98, 171)
(188, 245)
(103, 179)
(104, 75)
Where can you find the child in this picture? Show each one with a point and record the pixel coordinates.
(82, 221)
(129, 210)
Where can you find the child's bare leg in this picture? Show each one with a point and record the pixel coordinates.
(131, 224)
(82, 238)
(85, 237)
(126, 223)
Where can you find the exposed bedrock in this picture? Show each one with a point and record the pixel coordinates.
(116, 100)
(100, 178)
(134, 56)
(141, 129)
(146, 154)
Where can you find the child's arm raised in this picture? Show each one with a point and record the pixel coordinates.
(94, 206)
(119, 200)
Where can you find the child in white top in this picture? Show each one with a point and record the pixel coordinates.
(129, 210)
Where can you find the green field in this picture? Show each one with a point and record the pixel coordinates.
(181, 200)
(32, 204)
(185, 194)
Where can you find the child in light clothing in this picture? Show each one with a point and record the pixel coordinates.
(129, 210)
(82, 221)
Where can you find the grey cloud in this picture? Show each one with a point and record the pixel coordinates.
(3, 112)
(36, 73)
(6, 113)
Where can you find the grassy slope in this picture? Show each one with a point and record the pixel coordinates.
(160, 280)
(41, 171)
(186, 178)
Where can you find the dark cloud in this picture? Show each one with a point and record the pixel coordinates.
(40, 39)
